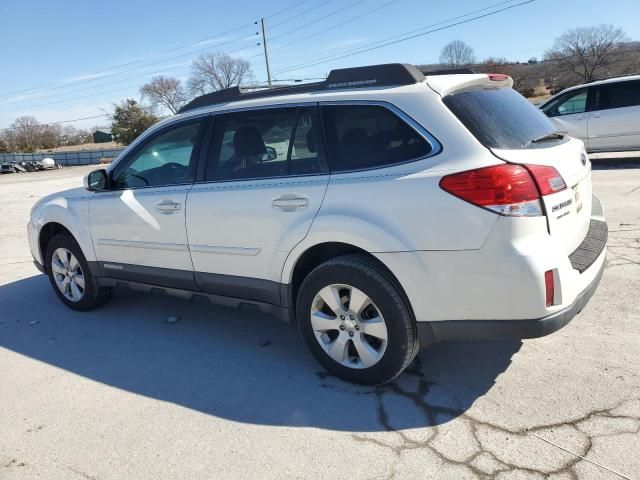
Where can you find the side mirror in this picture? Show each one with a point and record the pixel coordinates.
(271, 153)
(96, 181)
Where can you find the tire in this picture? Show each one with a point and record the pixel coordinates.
(92, 295)
(358, 280)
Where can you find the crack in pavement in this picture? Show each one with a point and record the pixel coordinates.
(487, 458)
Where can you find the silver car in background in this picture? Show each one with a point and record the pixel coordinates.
(604, 114)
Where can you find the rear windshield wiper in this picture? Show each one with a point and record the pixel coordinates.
(558, 135)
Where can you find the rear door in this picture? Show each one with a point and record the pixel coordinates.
(506, 123)
(614, 124)
(569, 113)
(266, 176)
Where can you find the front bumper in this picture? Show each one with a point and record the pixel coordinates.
(40, 267)
(431, 332)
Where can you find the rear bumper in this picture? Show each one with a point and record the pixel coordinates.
(430, 332)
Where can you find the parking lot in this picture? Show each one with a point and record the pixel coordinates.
(121, 393)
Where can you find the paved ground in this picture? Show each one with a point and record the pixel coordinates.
(119, 393)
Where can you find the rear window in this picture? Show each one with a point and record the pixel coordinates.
(499, 118)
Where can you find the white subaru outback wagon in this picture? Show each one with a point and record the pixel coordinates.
(381, 210)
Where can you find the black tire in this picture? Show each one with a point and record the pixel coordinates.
(365, 274)
(94, 295)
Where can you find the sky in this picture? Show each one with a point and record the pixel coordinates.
(73, 59)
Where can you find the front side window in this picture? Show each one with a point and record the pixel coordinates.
(264, 143)
(164, 160)
(618, 95)
(575, 102)
(369, 136)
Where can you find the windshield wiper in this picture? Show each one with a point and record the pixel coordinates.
(558, 135)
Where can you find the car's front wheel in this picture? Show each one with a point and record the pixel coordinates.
(355, 320)
(70, 276)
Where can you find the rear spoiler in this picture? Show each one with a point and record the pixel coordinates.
(448, 84)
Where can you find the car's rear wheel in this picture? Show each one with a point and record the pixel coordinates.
(355, 320)
(70, 276)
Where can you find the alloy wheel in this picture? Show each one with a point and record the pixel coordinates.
(68, 274)
(349, 326)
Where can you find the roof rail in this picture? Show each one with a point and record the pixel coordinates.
(392, 74)
(612, 78)
(453, 71)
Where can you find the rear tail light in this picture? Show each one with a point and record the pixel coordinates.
(549, 287)
(498, 77)
(507, 189)
(547, 178)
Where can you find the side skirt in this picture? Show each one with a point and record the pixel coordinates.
(277, 311)
(227, 290)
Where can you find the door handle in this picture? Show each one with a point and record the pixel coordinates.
(290, 202)
(168, 206)
(595, 115)
(581, 117)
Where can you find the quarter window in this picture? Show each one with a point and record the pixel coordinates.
(618, 95)
(164, 160)
(368, 136)
(264, 143)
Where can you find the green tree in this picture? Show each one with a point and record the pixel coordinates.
(129, 120)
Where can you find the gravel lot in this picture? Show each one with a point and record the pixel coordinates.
(119, 393)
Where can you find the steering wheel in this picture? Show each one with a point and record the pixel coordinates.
(133, 173)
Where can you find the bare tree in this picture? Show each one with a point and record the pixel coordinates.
(583, 52)
(26, 132)
(166, 92)
(216, 71)
(457, 54)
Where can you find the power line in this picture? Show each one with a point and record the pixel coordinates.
(175, 57)
(69, 82)
(72, 82)
(335, 12)
(352, 19)
(64, 121)
(286, 9)
(147, 74)
(406, 38)
(301, 13)
(399, 35)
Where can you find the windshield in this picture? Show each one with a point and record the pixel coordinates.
(500, 118)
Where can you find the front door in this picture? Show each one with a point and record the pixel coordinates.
(138, 225)
(569, 114)
(265, 180)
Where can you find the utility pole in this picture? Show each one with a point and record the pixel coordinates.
(266, 52)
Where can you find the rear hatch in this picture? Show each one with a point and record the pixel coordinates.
(517, 132)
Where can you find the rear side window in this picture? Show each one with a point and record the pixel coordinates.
(618, 95)
(499, 118)
(264, 143)
(369, 136)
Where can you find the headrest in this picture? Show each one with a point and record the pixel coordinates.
(248, 142)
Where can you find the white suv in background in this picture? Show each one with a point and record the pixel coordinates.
(381, 210)
(604, 114)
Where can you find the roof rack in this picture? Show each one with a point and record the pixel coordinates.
(392, 74)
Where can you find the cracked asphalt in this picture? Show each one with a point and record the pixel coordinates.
(121, 393)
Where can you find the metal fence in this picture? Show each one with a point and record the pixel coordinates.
(83, 157)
